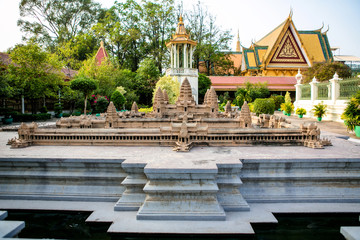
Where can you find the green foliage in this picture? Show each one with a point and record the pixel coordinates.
(224, 98)
(351, 114)
(130, 98)
(43, 109)
(18, 117)
(101, 105)
(58, 109)
(172, 87)
(326, 71)
(239, 100)
(35, 73)
(300, 111)
(251, 107)
(288, 107)
(125, 78)
(145, 80)
(278, 99)
(287, 97)
(105, 73)
(264, 105)
(252, 91)
(319, 110)
(118, 99)
(84, 85)
(6, 90)
(204, 83)
(56, 20)
(211, 38)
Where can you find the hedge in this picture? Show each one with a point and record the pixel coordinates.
(264, 105)
(18, 117)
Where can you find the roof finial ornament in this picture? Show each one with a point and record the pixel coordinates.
(291, 12)
(327, 30)
(102, 43)
(238, 42)
(180, 18)
(322, 26)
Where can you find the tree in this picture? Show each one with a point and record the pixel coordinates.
(211, 39)
(159, 20)
(204, 85)
(172, 87)
(121, 29)
(34, 74)
(326, 71)
(145, 80)
(105, 73)
(118, 99)
(5, 88)
(85, 85)
(56, 21)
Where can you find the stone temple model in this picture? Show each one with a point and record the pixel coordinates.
(181, 126)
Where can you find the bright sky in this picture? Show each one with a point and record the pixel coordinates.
(253, 18)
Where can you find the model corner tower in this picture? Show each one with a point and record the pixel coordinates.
(181, 49)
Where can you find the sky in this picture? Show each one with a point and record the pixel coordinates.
(252, 18)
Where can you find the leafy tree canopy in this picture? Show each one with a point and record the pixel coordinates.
(34, 73)
(326, 71)
(204, 84)
(85, 85)
(172, 87)
(56, 21)
(118, 99)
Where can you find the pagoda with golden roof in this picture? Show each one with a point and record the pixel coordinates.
(181, 49)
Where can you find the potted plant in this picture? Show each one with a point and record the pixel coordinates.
(287, 108)
(301, 112)
(351, 115)
(319, 110)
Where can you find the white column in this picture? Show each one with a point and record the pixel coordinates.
(191, 56)
(172, 57)
(335, 88)
(314, 90)
(22, 104)
(298, 92)
(177, 56)
(185, 55)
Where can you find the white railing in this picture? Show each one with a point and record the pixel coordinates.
(332, 97)
(182, 71)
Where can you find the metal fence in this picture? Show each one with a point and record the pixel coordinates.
(349, 87)
(324, 91)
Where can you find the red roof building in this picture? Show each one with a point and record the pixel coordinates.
(231, 83)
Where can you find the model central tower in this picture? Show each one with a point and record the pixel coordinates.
(181, 49)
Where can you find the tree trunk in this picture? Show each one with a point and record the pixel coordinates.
(85, 105)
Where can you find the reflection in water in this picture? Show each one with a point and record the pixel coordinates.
(71, 225)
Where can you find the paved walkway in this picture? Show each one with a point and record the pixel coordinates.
(328, 126)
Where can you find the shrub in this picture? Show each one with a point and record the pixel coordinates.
(351, 115)
(278, 99)
(57, 109)
(101, 105)
(288, 107)
(43, 109)
(251, 107)
(18, 117)
(67, 115)
(319, 110)
(146, 110)
(118, 99)
(300, 111)
(240, 100)
(287, 97)
(264, 105)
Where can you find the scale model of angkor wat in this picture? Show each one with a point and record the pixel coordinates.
(181, 126)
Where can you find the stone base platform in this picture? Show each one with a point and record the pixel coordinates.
(238, 185)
